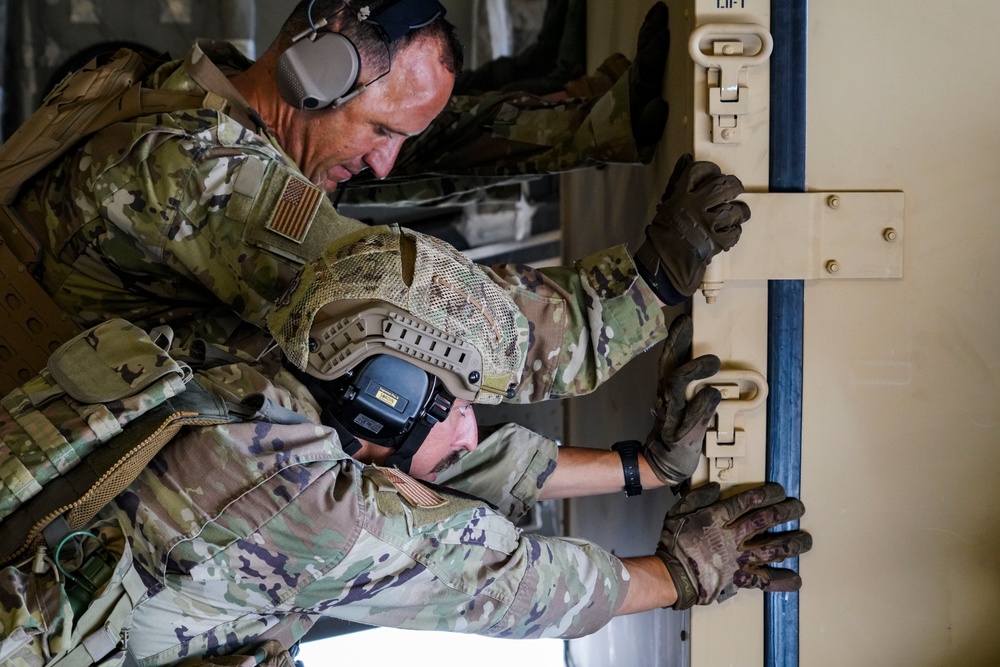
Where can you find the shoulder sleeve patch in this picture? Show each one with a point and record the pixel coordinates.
(283, 214)
(415, 492)
(289, 216)
(296, 209)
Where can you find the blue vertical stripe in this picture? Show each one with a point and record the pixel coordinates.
(786, 306)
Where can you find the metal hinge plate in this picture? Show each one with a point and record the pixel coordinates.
(815, 236)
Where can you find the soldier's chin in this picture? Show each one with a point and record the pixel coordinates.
(328, 186)
(335, 176)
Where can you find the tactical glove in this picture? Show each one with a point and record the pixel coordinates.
(711, 547)
(698, 218)
(673, 446)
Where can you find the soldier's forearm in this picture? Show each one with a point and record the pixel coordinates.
(650, 586)
(581, 471)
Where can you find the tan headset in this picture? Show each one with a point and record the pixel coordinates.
(320, 69)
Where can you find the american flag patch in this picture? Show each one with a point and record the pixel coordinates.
(412, 490)
(296, 209)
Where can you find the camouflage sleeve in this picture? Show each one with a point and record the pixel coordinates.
(508, 469)
(197, 216)
(500, 136)
(586, 322)
(240, 526)
(440, 562)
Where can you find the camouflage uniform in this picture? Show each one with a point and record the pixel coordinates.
(506, 137)
(191, 219)
(244, 532)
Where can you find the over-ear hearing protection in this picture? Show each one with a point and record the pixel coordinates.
(320, 69)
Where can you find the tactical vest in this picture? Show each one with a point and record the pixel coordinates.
(71, 439)
(78, 433)
(103, 92)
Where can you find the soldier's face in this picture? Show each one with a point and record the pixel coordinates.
(368, 131)
(446, 441)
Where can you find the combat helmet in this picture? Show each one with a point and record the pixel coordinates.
(390, 326)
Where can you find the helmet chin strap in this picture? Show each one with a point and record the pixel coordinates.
(436, 412)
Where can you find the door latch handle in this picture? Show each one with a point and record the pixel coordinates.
(725, 444)
(720, 48)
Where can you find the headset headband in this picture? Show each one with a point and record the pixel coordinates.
(405, 15)
(321, 69)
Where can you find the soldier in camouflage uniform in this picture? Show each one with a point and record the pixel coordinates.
(501, 127)
(244, 533)
(196, 220)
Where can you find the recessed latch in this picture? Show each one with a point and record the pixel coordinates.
(725, 444)
(722, 48)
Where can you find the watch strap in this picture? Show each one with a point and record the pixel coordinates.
(628, 450)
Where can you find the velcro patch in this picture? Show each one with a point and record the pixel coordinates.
(296, 209)
(416, 493)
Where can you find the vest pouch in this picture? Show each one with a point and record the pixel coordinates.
(94, 385)
(47, 630)
(114, 361)
(100, 632)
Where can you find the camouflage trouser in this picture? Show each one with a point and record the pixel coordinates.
(503, 138)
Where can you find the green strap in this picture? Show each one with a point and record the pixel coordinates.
(32, 515)
(113, 615)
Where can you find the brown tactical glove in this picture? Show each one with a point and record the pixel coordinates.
(698, 218)
(673, 446)
(711, 547)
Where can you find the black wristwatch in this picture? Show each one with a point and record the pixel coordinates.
(629, 451)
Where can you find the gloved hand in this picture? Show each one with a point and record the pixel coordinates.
(710, 549)
(673, 446)
(698, 218)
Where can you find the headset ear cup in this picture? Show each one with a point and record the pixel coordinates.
(314, 73)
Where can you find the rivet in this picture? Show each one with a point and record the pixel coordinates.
(832, 266)
(728, 49)
(833, 201)
(727, 134)
(890, 234)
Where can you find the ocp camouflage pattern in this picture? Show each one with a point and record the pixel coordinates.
(505, 137)
(243, 532)
(94, 386)
(438, 285)
(585, 322)
(165, 220)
